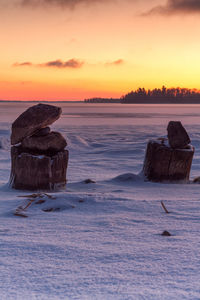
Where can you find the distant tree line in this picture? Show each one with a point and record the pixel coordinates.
(102, 100)
(163, 95)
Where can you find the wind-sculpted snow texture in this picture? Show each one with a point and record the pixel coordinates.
(103, 240)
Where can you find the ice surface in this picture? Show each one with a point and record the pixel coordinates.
(103, 240)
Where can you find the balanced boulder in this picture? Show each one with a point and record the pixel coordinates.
(177, 135)
(34, 118)
(52, 142)
(42, 132)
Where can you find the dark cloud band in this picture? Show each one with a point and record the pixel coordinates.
(27, 63)
(71, 63)
(61, 3)
(177, 6)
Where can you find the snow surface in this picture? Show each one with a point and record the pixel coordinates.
(103, 240)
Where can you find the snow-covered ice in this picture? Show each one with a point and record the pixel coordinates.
(103, 240)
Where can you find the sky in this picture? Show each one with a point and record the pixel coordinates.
(77, 49)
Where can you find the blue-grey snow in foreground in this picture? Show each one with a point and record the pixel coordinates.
(103, 240)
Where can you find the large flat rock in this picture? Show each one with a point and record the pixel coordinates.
(42, 131)
(34, 118)
(52, 142)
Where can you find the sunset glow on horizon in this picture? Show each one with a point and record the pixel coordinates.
(77, 49)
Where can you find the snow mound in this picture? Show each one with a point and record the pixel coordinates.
(77, 143)
(4, 143)
(127, 177)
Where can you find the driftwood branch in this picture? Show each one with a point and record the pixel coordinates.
(20, 209)
(18, 213)
(41, 195)
(164, 207)
(31, 196)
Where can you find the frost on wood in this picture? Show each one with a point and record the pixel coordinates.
(164, 163)
(40, 161)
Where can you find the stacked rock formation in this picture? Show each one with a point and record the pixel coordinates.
(169, 159)
(38, 156)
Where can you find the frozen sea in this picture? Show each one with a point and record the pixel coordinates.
(103, 240)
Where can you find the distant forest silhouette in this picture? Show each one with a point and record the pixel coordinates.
(103, 100)
(163, 95)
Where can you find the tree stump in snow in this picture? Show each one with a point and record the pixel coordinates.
(36, 172)
(163, 163)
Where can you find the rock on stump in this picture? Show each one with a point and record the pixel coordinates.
(33, 119)
(163, 163)
(169, 159)
(40, 161)
(177, 135)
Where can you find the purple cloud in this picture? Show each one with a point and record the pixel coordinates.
(115, 62)
(71, 63)
(24, 64)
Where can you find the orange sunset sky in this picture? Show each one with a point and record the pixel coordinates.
(76, 49)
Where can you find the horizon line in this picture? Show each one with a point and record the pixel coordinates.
(3, 100)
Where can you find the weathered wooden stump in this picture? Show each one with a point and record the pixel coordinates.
(36, 172)
(40, 161)
(163, 163)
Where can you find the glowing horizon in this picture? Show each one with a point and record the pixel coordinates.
(72, 50)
